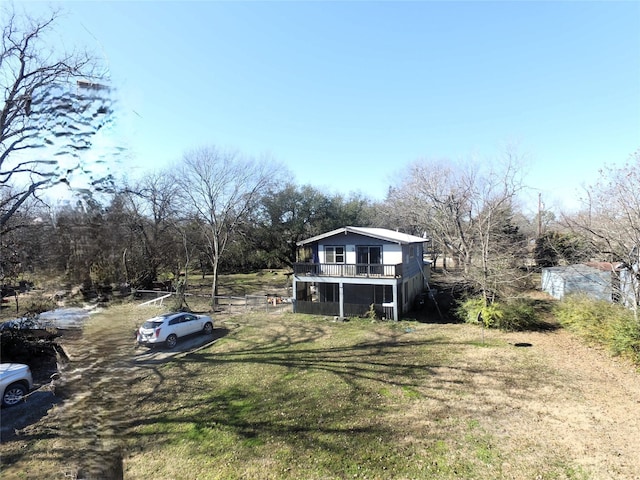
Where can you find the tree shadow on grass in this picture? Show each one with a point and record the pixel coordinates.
(303, 408)
(313, 395)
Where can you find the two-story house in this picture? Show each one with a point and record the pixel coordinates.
(345, 271)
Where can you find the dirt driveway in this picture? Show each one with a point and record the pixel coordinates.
(46, 392)
(193, 343)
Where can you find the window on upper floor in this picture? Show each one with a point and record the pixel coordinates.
(369, 254)
(334, 254)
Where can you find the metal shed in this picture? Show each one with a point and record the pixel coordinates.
(595, 281)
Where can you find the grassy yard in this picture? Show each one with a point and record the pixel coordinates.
(240, 284)
(291, 396)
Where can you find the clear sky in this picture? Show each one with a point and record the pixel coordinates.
(347, 94)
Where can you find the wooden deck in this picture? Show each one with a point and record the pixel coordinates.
(347, 270)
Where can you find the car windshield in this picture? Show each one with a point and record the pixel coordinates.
(152, 323)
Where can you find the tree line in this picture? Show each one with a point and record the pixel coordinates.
(221, 211)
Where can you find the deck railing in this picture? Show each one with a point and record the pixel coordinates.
(348, 270)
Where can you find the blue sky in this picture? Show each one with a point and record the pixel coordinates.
(347, 94)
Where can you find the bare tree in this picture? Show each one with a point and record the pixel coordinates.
(437, 196)
(52, 107)
(221, 188)
(501, 246)
(468, 213)
(611, 223)
(154, 236)
(21, 242)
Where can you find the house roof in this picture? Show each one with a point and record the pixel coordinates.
(605, 266)
(378, 233)
(584, 268)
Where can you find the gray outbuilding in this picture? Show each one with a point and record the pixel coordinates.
(598, 281)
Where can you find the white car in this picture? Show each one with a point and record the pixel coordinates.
(166, 329)
(15, 382)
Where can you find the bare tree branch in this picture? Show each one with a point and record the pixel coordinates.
(221, 188)
(52, 108)
(611, 223)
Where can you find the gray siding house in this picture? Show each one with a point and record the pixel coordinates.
(345, 271)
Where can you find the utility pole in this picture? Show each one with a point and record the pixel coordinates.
(539, 215)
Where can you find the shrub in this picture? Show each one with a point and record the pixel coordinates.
(626, 338)
(591, 319)
(37, 303)
(603, 323)
(520, 314)
(511, 315)
(371, 313)
(474, 310)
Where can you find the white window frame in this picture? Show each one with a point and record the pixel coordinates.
(331, 253)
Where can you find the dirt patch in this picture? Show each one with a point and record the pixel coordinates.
(591, 410)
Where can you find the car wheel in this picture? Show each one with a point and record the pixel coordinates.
(171, 341)
(13, 394)
(208, 328)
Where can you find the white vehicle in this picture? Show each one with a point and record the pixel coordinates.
(166, 329)
(15, 382)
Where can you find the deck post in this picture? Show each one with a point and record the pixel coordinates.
(395, 302)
